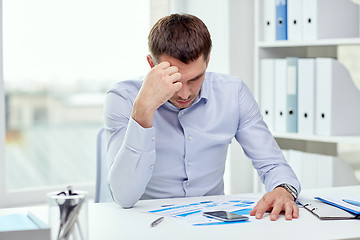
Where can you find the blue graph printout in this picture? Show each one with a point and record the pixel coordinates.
(193, 212)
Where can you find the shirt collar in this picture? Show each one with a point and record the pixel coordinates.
(204, 92)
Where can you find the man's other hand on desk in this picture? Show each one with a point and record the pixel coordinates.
(276, 201)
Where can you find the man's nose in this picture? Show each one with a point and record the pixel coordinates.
(184, 92)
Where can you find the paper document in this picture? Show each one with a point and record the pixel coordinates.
(193, 212)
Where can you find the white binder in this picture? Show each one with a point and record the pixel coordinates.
(337, 100)
(269, 20)
(267, 91)
(280, 96)
(329, 19)
(294, 19)
(291, 94)
(306, 96)
(325, 211)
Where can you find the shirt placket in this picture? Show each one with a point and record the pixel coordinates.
(188, 139)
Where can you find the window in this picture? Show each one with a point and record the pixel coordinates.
(59, 59)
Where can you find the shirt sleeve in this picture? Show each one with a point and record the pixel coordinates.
(131, 151)
(260, 146)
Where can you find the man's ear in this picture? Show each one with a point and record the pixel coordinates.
(150, 61)
(207, 61)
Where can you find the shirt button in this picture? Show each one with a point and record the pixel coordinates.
(189, 163)
(151, 166)
(182, 113)
(153, 138)
(187, 183)
(189, 137)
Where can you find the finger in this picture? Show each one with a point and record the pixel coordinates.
(163, 65)
(171, 70)
(252, 212)
(288, 211)
(295, 211)
(177, 86)
(276, 211)
(261, 207)
(260, 213)
(175, 77)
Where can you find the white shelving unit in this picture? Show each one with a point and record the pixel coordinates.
(281, 49)
(316, 138)
(320, 42)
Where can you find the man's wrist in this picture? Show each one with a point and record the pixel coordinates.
(290, 189)
(142, 114)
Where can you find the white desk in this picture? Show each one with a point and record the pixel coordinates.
(108, 221)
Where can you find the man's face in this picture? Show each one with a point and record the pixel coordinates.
(192, 77)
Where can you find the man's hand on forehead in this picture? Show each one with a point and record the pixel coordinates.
(161, 83)
(168, 78)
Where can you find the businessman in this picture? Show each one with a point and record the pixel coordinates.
(168, 134)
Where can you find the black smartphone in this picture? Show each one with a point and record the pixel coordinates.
(225, 216)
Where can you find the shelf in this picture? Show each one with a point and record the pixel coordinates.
(321, 42)
(332, 139)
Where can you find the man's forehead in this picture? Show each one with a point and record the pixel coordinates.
(191, 71)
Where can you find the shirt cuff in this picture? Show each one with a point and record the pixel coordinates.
(293, 183)
(139, 138)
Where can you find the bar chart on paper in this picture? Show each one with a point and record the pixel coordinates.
(192, 213)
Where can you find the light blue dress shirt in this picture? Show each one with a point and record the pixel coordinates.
(184, 153)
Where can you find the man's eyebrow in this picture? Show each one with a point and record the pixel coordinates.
(197, 77)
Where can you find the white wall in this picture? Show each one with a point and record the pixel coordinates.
(231, 25)
(241, 54)
(2, 114)
(215, 16)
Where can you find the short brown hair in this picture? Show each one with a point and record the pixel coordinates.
(181, 36)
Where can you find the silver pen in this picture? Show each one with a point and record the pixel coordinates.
(156, 222)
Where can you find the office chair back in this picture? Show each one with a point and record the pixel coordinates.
(102, 191)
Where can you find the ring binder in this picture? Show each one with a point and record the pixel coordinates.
(325, 211)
